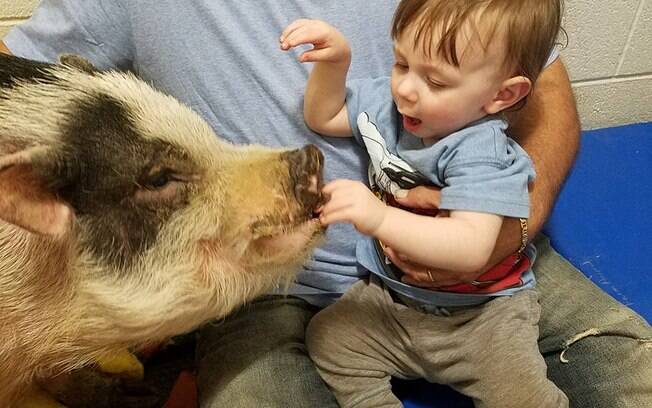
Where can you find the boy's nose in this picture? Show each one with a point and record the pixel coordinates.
(407, 90)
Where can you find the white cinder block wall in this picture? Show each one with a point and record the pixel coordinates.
(609, 56)
(13, 11)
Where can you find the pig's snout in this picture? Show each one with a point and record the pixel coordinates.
(306, 173)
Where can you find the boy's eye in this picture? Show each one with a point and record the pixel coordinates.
(434, 83)
(400, 65)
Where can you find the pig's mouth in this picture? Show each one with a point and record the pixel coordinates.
(291, 237)
(272, 230)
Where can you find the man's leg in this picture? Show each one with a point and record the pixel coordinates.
(607, 346)
(256, 357)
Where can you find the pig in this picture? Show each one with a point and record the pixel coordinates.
(124, 219)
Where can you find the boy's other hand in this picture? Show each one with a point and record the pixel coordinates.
(329, 45)
(421, 197)
(353, 202)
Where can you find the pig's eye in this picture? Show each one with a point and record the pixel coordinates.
(158, 178)
(159, 188)
(159, 181)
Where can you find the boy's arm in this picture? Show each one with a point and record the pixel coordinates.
(462, 242)
(324, 105)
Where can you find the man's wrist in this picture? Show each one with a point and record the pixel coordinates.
(508, 243)
(524, 235)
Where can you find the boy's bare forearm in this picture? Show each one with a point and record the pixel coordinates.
(324, 102)
(462, 242)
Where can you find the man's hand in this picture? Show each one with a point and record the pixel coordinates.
(421, 197)
(353, 202)
(329, 45)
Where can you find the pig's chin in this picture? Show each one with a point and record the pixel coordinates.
(284, 243)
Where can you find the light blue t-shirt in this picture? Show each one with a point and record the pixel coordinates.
(222, 59)
(479, 168)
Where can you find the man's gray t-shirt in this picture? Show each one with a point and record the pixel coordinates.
(478, 168)
(222, 59)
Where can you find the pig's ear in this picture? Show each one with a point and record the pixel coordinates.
(80, 63)
(26, 201)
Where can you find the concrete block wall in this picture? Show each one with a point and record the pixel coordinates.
(609, 56)
(13, 11)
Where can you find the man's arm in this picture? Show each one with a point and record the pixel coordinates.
(4, 49)
(548, 129)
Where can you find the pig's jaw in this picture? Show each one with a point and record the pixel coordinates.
(196, 289)
(284, 245)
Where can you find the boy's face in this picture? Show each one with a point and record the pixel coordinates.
(436, 98)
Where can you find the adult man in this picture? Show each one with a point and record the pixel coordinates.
(222, 59)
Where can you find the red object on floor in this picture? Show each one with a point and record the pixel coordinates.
(184, 392)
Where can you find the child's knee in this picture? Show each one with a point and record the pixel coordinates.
(327, 332)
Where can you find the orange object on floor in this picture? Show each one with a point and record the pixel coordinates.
(184, 392)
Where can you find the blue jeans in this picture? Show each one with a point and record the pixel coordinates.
(257, 358)
(607, 345)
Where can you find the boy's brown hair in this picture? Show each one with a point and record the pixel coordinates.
(529, 28)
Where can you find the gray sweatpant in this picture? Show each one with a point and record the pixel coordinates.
(486, 352)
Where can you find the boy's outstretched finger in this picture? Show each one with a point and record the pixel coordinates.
(334, 185)
(332, 206)
(334, 216)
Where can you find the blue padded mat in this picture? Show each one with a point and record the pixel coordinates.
(601, 223)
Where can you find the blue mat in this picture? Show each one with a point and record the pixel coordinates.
(601, 223)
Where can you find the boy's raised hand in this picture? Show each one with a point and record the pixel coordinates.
(329, 45)
(351, 201)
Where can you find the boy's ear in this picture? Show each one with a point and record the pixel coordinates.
(512, 90)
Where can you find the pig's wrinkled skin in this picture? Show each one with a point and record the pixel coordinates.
(124, 219)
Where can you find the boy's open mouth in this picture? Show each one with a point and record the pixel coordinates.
(411, 124)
